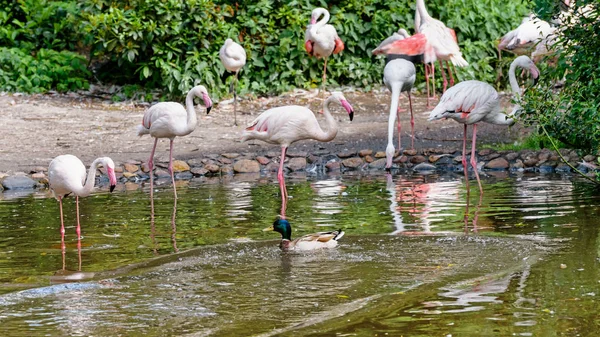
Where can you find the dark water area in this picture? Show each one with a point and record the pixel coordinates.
(417, 259)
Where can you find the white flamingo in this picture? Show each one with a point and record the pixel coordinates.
(321, 39)
(288, 124)
(525, 37)
(398, 76)
(233, 57)
(471, 102)
(434, 41)
(66, 175)
(169, 120)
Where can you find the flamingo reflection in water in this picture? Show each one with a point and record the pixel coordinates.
(425, 202)
(173, 227)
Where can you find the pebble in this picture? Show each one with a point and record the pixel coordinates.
(180, 166)
(131, 168)
(297, 164)
(497, 164)
(231, 155)
(353, 163)
(246, 166)
(346, 154)
(199, 171)
(263, 160)
(213, 168)
(333, 166)
(294, 154)
(364, 153)
(380, 154)
(378, 164)
(418, 159)
(18, 182)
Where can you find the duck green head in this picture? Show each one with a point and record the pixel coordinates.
(283, 227)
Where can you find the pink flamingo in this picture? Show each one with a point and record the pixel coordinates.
(169, 120)
(398, 76)
(435, 42)
(233, 57)
(66, 175)
(471, 102)
(321, 39)
(287, 124)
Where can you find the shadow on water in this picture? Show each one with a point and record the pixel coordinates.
(420, 257)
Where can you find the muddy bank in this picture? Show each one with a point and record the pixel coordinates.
(41, 127)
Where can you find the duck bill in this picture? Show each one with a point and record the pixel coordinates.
(268, 229)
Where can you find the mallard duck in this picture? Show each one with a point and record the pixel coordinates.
(312, 241)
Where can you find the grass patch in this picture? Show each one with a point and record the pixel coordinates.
(533, 141)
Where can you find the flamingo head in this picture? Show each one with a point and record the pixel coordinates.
(281, 226)
(344, 102)
(439, 113)
(389, 156)
(526, 63)
(109, 165)
(201, 91)
(316, 13)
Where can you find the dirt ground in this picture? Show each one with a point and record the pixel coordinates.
(37, 128)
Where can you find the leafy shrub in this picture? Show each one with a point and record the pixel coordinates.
(174, 44)
(39, 41)
(46, 70)
(570, 114)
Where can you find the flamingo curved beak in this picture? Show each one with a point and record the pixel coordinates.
(348, 108)
(112, 178)
(207, 102)
(535, 73)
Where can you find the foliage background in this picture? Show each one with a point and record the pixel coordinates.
(571, 113)
(172, 45)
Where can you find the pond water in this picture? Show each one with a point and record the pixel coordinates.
(417, 259)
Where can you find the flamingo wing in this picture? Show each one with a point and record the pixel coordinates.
(467, 102)
(414, 45)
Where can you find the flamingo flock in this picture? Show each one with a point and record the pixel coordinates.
(468, 102)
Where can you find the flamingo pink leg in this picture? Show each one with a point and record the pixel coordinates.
(473, 160)
(151, 168)
(464, 158)
(62, 221)
(432, 80)
(62, 232)
(445, 82)
(400, 109)
(412, 124)
(450, 67)
(427, 85)
(171, 167)
(174, 227)
(79, 252)
(78, 225)
(280, 177)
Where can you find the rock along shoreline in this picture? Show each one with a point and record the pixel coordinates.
(434, 159)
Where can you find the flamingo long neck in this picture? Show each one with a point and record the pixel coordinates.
(332, 128)
(512, 79)
(396, 87)
(423, 10)
(90, 180)
(417, 22)
(315, 28)
(191, 113)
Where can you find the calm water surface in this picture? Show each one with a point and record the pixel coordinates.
(417, 259)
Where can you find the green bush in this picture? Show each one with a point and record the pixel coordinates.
(39, 44)
(46, 70)
(570, 114)
(174, 44)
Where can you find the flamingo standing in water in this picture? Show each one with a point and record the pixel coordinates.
(66, 175)
(435, 42)
(287, 124)
(233, 57)
(321, 39)
(169, 120)
(471, 102)
(398, 76)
